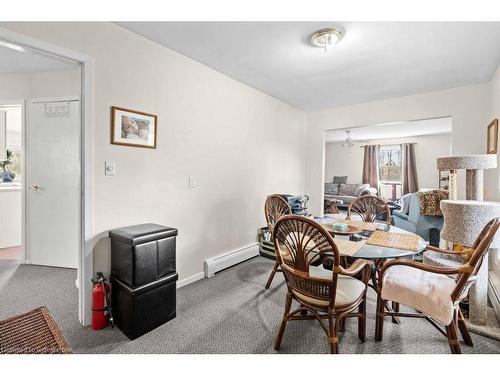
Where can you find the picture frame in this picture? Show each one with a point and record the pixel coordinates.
(133, 128)
(492, 137)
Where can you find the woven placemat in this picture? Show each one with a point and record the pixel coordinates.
(348, 248)
(401, 241)
(34, 332)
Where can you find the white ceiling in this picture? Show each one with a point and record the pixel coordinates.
(400, 129)
(375, 60)
(25, 61)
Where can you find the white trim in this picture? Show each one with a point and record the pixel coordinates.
(190, 279)
(22, 103)
(85, 262)
(226, 260)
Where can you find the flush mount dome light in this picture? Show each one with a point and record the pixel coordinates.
(327, 37)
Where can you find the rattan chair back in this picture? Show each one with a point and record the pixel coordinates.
(370, 207)
(299, 242)
(275, 207)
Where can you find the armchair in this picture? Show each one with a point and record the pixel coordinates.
(430, 289)
(299, 242)
(414, 221)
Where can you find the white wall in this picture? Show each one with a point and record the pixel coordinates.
(492, 178)
(339, 163)
(239, 143)
(468, 106)
(10, 216)
(57, 83)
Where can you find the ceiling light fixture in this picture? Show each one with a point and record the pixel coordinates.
(348, 142)
(327, 37)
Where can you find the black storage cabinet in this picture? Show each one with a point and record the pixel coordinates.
(143, 277)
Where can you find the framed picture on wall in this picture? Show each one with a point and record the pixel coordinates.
(133, 128)
(492, 138)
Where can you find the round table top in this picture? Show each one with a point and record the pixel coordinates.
(381, 252)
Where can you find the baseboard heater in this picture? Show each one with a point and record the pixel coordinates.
(223, 261)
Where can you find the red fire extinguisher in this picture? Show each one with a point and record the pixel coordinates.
(101, 308)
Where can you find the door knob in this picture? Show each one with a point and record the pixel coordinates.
(33, 187)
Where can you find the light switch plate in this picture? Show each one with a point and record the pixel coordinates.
(109, 168)
(192, 182)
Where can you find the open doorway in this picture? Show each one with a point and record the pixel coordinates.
(41, 163)
(351, 170)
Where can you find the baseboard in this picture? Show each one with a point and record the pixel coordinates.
(223, 261)
(190, 279)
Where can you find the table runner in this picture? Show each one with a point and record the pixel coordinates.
(34, 332)
(401, 241)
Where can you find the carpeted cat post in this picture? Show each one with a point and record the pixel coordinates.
(463, 221)
(474, 166)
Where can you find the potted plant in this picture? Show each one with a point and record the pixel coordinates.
(6, 175)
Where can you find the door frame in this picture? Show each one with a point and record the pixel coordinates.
(22, 103)
(85, 258)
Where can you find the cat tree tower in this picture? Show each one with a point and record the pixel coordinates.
(467, 218)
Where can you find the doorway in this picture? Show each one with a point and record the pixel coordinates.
(22, 43)
(350, 170)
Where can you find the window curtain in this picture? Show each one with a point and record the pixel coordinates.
(408, 169)
(371, 166)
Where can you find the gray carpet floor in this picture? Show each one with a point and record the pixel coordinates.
(228, 313)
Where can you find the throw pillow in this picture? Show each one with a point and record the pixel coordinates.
(430, 201)
(360, 188)
(405, 204)
(340, 179)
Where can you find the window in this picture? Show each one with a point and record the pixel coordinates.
(390, 163)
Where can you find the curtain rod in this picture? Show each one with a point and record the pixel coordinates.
(410, 143)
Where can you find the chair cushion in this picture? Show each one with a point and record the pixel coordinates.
(427, 292)
(349, 289)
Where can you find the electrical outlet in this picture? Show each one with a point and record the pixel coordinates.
(109, 168)
(192, 182)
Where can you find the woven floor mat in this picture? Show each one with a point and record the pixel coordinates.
(34, 332)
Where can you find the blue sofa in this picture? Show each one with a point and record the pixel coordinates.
(413, 221)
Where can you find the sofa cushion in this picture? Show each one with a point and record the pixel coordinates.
(331, 189)
(424, 291)
(348, 189)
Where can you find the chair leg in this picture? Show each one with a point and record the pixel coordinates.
(451, 331)
(379, 321)
(395, 308)
(288, 304)
(273, 272)
(362, 321)
(463, 329)
(332, 335)
(342, 325)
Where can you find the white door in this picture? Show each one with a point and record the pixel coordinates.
(53, 188)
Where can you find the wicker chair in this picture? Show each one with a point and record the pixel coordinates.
(370, 208)
(299, 242)
(274, 208)
(430, 289)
